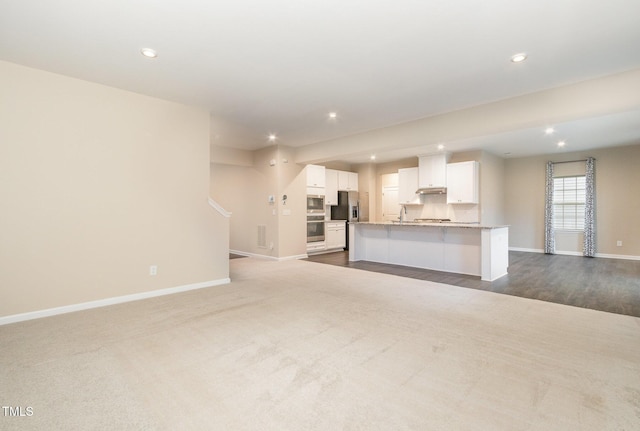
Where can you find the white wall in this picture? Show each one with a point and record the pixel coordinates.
(235, 188)
(244, 190)
(492, 184)
(292, 215)
(96, 185)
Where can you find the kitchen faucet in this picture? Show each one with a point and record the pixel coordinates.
(403, 209)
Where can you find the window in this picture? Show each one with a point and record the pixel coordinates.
(569, 203)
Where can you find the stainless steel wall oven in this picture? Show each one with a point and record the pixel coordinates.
(315, 218)
(315, 204)
(315, 227)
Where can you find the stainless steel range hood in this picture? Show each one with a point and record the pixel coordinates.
(432, 191)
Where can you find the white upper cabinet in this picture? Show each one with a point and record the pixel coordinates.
(433, 170)
(332, 181)
(315, 180)
(331, 189)
(315, 176)
(347, 181)
(462, 182)
(407, 186)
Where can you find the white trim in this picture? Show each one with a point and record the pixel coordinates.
(539, 250)
(325, 251)
(575, 253)
(262, 256)
(569, 253)
(219, 208)
(257, 256)
(293, 257)
(108, 301)
(528, 250)
(618, 256)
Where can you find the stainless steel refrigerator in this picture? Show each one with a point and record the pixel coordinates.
(348, 209)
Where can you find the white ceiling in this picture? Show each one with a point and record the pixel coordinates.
(280, 66)
(619, 129)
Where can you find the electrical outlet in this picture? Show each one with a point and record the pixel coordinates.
(153, 270)
(619, 243)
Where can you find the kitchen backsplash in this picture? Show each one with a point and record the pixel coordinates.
(436, 207)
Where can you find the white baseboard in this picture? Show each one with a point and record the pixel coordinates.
(262, 256)
(256, 255)
(331, 250)
(528, 250)
(577, 253)
(569, 253)
(617, 256)
(294, 257)
(539, 250)
(108, 301)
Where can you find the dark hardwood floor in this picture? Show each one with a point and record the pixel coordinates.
(611, 285)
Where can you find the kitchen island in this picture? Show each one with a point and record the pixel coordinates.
(472, 249)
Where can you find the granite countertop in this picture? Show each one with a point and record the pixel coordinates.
(426, 224)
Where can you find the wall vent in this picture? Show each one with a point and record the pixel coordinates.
(262, 236)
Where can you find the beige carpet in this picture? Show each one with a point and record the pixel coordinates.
(303, 346)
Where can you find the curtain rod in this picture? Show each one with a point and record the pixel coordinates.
(570, 161)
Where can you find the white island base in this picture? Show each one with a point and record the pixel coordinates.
(464, 249)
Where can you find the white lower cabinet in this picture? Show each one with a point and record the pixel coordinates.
(472, 249)
(316, 246)
(335, 234)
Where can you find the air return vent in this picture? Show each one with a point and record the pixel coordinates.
(262, 236)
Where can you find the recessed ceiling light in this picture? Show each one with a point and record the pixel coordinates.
(520, 57)
(272, 137)
(561, 144)
(549, 130)
(333, 115)
(373, 157)
(441, 146)
(148, 52)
